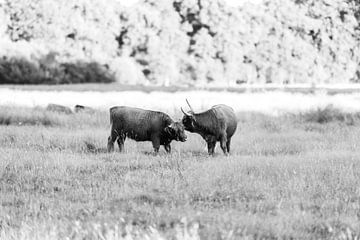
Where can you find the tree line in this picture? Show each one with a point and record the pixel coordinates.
(180, 42)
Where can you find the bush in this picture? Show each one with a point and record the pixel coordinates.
(22, 71)
(22, 116)
(330, 114)
(85, 73)
(19, 71)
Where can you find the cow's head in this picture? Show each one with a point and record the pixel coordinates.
(189, 119)
(176, 131)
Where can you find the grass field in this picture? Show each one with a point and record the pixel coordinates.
(288, 177)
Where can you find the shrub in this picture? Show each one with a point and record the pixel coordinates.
(85, 73)
(22, 71)
(19, 71)
(330, 114)
(43, 117)
(23, 116)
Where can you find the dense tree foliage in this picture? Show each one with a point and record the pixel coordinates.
(190, 41)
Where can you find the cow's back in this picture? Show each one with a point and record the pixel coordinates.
(126, 115)
(227, 115)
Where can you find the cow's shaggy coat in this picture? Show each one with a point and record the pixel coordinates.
(216, 124)
(143, 125)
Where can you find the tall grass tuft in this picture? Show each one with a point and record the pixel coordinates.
(24, 116)
(40, 116)
(330, 114)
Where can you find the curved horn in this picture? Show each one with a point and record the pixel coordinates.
(192, 110)
(186, 114)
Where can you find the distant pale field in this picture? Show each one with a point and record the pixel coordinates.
(286, 178)
(272, 101)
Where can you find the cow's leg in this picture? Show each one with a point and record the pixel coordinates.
(228, 145)
(223, 141)
(211, 147)
(120, 142)
(167, 148)
(110, 145)
(156, 143)
(112, 138)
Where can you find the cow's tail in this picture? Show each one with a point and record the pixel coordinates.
(111, 116)
(113, 134)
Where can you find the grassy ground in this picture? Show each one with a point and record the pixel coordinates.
(288, 177)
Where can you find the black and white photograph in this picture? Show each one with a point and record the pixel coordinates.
(179, 119)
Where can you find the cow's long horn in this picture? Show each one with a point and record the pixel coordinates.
(192, 110)
(184, 112)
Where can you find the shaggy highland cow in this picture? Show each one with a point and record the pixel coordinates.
(143, 125)
(216, 124)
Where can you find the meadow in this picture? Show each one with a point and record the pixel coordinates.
(295, 176)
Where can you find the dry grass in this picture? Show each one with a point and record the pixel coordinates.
(286, 179)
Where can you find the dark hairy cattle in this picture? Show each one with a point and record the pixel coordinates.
(143, 125)
(216, 124)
